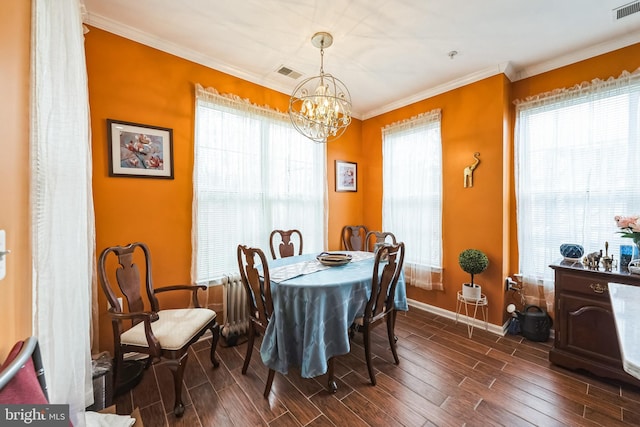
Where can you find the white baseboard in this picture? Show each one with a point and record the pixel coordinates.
(498, 330)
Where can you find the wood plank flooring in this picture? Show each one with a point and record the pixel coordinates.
(444, 379)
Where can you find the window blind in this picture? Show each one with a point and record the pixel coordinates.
(412, 195)
(252, 173)
(577, 153)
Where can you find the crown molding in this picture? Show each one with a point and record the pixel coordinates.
(504, 67)
(146, 39)
(577, 56)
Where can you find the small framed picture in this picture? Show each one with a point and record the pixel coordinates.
(137, 150)
(346, 176)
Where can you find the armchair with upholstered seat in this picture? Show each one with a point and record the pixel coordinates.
(161, 334)
(22, 375)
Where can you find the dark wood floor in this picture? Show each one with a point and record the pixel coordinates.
(444, 378)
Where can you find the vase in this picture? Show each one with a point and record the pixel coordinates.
(471, 291)
(571, 251)
(634, 264)
(627, 253)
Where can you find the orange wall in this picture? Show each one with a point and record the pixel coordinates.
(479, 117)
(129, 81)
(15, 288)
(472, 120)
(132, 82)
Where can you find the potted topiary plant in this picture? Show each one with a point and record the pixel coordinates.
(472, 261)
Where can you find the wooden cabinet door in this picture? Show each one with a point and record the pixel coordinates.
(587, 328)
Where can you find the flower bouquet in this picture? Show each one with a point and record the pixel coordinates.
(629, 226)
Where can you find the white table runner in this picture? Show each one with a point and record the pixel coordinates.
(286, 272)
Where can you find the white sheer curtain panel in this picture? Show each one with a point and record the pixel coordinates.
(412, 195)
(577, 153)
(252, 173)
(62, 204)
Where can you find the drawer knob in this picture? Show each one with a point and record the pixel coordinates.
(598, 288)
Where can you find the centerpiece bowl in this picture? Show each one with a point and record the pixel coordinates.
(333, 259)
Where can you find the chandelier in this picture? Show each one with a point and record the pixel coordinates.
(320, 106)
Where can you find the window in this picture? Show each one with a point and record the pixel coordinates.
(412, 195)
(577, 155)
(252, 173)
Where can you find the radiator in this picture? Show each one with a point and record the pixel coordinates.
(234, 304)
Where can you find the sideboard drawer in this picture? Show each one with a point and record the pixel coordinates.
(579, 283)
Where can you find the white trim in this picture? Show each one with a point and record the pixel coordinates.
(445, 87)
(147, 39)
(507, 68)
(577, 56)
(495, 329)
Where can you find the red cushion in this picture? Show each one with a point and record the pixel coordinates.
(24, 387)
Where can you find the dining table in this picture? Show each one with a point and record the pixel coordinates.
(314, 306)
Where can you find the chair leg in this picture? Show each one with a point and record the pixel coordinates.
(177, 369)
(367, 353)
(117, 369)
(331, 383)
(392, 338)
(267, 387)
(395, 312)
(215, 331)
(247, 357)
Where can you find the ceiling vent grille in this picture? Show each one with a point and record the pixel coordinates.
(626, 10)
(286, 71)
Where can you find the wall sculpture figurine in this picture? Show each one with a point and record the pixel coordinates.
(468, 171)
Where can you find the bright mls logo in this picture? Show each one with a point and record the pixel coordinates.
(34, 415)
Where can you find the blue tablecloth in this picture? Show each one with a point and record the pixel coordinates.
(313, 312)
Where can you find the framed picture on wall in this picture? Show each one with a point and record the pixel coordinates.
(137, 150)
(346, 176)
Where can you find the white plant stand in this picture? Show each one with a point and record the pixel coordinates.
(473, 303)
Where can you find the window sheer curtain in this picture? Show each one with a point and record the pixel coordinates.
(63, 235)
(252, 173)
(577, 155)
(412, 195)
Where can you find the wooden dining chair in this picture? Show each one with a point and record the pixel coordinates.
(261, 308)
(380, 306)
(353, 237)
(286, 247)
(375, 239)
(161, 334)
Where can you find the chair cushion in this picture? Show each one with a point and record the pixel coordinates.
(173, 329)
(24, 387)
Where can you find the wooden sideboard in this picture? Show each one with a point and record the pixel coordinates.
(585, 330)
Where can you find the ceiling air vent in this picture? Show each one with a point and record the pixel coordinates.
(285, 71)
(626, 10)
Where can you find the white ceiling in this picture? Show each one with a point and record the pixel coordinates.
(389, 53)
